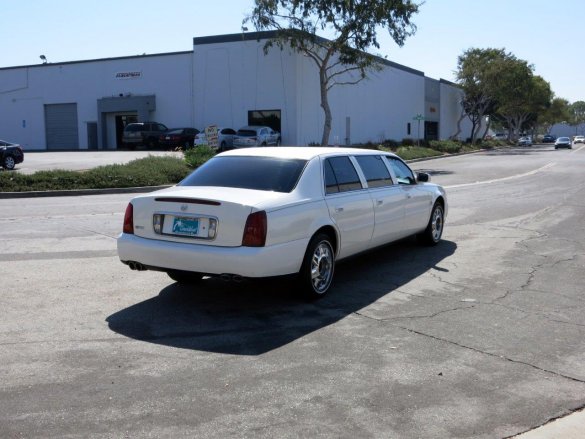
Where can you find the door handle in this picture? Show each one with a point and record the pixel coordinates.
(338, 209)
(379, 202)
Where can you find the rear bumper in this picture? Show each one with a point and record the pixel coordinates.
(276, 260)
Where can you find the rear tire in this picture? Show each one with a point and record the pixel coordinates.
(185, 277)
(434, 231)
(316, 275)
(9, 163)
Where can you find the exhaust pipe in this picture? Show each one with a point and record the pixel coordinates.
(136, 266)
(231, 277)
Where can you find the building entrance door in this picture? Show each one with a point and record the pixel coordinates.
(121, 121)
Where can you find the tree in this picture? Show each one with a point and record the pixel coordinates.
(477, 72)
(341, 60)
(521, 96)
(558, 111)
(578, 112)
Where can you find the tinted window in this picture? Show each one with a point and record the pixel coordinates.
(160, 127)
(260, 173)
(345, 175)
(403, 173)
(331, 185)
(375, 170)
(133, 127)
(246, 133)
(228, 131)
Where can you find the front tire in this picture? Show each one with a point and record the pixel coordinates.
(434, 231)
(9, 163)
(316, 275)
(185, 277)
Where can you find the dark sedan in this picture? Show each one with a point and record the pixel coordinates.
(563, 142)
(10, 155)
(548, 138)
(178, 137)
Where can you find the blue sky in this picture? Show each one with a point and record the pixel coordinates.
(546, 34)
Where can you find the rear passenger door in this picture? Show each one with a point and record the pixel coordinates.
(350, 205)
(388, 198)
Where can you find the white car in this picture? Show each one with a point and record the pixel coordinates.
(225, 138)
(263, 212)
(579, 139)
(256, 136)
(525, 141)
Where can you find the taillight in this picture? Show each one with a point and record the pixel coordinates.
(129, 219)
(255, 230)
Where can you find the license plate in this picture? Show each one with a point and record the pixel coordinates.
(167, 138)
(186, 226)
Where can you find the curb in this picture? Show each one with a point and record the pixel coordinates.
(143, 189)
(79, 192)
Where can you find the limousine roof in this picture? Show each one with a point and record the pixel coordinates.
(301, 152)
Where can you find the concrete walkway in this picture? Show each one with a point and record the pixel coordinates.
(569, 427)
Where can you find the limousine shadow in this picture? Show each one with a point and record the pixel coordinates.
(255, 317)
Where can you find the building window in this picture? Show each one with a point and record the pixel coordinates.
(269, 118)
(408, 128)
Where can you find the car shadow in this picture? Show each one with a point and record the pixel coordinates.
(254, 317)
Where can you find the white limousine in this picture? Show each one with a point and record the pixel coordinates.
(263, 212)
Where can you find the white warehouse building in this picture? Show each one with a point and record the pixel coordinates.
(225, 80)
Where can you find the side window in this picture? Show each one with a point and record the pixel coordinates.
(331, 186)
(161, 127)
(229, 131)
(375, 170)
(343, 173)
(403, 173)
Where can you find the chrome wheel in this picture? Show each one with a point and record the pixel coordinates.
(434, 231)
(322, 267)
(437, 223)
(316, 274)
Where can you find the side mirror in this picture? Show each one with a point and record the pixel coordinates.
(423, 177)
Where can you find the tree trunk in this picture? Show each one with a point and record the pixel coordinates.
(456, 135)
(325, 106)
(487, 128)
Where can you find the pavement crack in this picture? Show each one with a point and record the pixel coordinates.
(429, 316)
(490, 354)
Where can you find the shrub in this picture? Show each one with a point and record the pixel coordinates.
(149, 171)
(195, 157)
(407, 141)
(448, 146)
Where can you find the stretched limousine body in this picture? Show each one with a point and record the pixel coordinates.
(262, 212)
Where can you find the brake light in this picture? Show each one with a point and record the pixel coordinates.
(255, 230)
(129, 219)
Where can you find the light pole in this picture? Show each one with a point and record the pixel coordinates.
(418, 118)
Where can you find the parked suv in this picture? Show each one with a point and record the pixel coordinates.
(143, 133)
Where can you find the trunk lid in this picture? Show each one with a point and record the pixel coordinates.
(198, 215)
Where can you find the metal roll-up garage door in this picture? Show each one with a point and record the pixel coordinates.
(61, 126)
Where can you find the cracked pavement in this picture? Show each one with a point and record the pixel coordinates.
(479, 337)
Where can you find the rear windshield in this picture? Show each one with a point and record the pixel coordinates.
(246, 133)
(259, 173)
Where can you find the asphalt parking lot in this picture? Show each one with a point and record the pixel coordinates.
(479, 337)
(81, 160)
